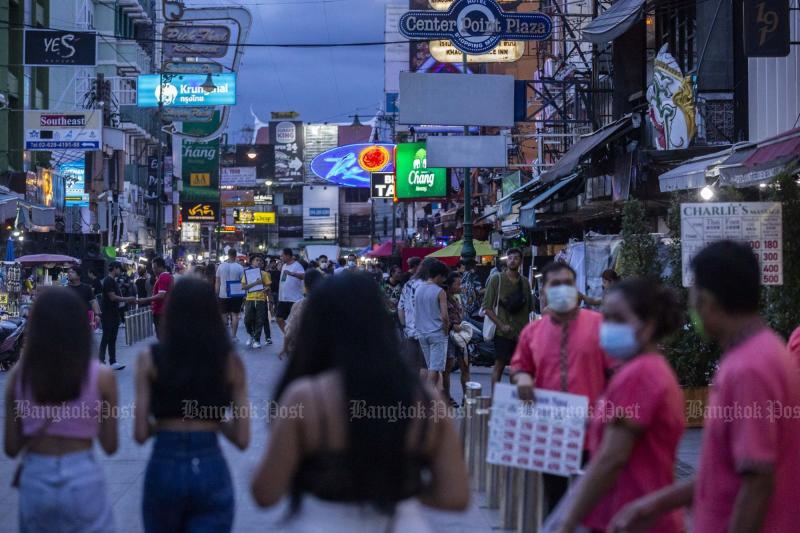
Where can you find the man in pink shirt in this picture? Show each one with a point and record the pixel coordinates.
(749, 462)
(561, 352)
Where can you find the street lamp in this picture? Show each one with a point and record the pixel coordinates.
(706, 193)
(251, 153)
(208, 85)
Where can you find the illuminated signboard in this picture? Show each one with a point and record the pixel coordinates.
(199, 211)
(185, 90)
(352, 165)
(74, 174)
(243, 216)
(443, 51)
(413, 178)
(382, 185)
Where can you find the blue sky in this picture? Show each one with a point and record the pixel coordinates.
(322, 84)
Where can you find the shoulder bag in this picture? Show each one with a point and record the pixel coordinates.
(489, 327)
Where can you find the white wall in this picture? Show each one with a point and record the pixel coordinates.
(320, 197)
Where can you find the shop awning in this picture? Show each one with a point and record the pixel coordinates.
(585, 146)
(527, 215)
(505, 205)
(760, 163)
(613, 22)
(8, 205)
(692, 174)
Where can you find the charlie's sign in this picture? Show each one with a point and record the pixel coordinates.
(475, 26)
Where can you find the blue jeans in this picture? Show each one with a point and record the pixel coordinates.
(434, 348)
(64, 494)
(187, 486)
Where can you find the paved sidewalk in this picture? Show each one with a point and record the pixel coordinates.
(125, 470)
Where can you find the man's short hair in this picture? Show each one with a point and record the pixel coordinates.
(413, 262)
(438, 269)
(323, 255)
(469, 264)
(514, 251)
(160, 262)
(114, 264)
(288, 252)
(729, 270)
(556, 266)
(232, 253)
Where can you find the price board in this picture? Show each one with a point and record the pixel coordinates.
(759, 224)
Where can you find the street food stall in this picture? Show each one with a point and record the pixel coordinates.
(40, 266)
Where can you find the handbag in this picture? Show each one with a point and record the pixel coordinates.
(15, 479)
(489, 327)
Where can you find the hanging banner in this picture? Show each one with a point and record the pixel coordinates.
(200, 164)
(287, 137)
(56, 48)
(63, 130)
(759, 224)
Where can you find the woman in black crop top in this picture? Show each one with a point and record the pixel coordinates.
(184, 388)
(355, 443)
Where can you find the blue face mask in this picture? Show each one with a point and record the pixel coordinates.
(618, 340)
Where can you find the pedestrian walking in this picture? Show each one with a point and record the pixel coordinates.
(405, 313)
(640, 419)
(291, 287)
(61, 484)
(457, 356)
(508, 303)
(185, 386)
(749, 465)
(431, 321)
(86, 295)
(161, 289)
(561, 352)
(95, 283)
(112, 307)
(141, 282)
(255, 305)
(344, 468)
(471, 287)
(392, 289)
(229, 275)
(310, 281)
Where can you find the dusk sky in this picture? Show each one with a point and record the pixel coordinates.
(322, 84)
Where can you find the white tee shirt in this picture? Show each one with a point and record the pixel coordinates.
(228, 272)
(291, 288)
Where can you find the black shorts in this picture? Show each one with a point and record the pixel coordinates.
(504, 349)
(231, 305)
(283, 309)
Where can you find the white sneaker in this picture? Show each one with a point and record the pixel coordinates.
(117, 366)
(249, 343)
(256, 345)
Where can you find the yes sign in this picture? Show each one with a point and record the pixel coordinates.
(54, 47)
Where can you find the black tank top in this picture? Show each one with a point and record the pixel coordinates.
(194, 401)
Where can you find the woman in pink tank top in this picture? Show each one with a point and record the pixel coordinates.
(55, 401)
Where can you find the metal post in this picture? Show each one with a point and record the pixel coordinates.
(160, 174)
(529, 511)
(508, 497)
(481, 429)
(467, 434)
(468, 248)
(492, 486)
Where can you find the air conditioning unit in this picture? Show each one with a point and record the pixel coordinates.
(285, 210)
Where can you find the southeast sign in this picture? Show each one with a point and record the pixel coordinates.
(185, 90)
(63, 130)
(475, 26)
(352, 165)
(413, 179)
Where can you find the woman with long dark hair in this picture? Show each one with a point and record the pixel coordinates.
(366, 444)
(53, 415)
(184, 387)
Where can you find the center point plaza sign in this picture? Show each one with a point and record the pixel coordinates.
(475, 26)
(185, 90)
(413, 179)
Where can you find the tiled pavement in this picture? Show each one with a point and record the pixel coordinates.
(125, 470)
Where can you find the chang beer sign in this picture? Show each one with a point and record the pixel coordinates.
(413, 179)
(200, 163)
(475, 26)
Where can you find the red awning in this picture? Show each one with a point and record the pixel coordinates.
(786, 145)
(384, 250)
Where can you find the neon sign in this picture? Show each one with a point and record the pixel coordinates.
(353, 165)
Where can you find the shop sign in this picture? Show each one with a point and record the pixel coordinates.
(444, 51)
(382, 185)
(200, 164)
(63, 130)
(413, 179)
(190, 232)
(237, 198)
(238, 176)
(244, 216)
(74, 174)
(767, 31)
(181, 67)
(263, 199)
(289, 141)
(475, 26)
(187, 114)
(183, 40)
(199, 212)
(759, 224)
(185, 90)
(53, 48)
(319, 212)
(352, 165)
(444, 5)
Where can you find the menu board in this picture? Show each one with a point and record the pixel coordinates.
(546, 436)
(759, 224)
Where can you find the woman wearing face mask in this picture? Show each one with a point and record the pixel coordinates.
(639, 420)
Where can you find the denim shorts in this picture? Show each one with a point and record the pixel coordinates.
(63, 493)
(187, 485)
(434, 348)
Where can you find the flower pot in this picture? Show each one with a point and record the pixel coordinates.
(696, 401)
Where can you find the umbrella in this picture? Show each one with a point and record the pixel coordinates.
(47, 259)
(482, 248)
(10, 249)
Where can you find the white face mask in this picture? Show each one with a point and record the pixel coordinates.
(618, 340)
(562, 298)
(351, 264)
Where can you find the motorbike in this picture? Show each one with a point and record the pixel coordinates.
(481, 351)
(12, 332)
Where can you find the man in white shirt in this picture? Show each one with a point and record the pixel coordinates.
(230, 303)
(291, 287)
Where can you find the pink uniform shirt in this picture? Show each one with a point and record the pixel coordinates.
(538, 353)
(752, 425)
(794, 346)
(646, 394)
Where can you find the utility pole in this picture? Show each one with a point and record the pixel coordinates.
(468, 248)
(160, 158)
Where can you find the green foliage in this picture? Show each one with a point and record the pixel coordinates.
(637, 256)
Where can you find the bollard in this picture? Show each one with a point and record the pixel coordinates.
(508, 497)
(481, 428)
(128, 332)
(529, 511)
(492, 486)
(467, 423)
(148, 316)
(139, 325)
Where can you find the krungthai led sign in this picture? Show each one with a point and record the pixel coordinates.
(353, 165)
(186, 90)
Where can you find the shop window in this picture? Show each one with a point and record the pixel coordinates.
(354, 195)
(358, 225)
